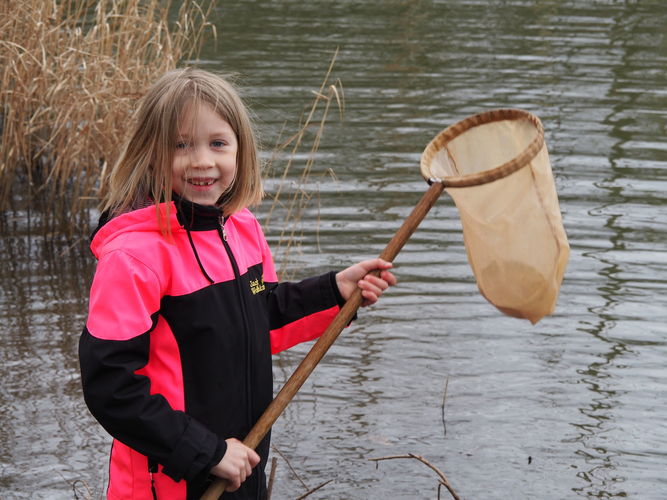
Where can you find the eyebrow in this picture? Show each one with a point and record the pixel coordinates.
(223, 135)
(216, 134)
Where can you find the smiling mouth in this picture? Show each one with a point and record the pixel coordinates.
(201, 182)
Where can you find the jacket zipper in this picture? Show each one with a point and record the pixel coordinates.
(221, 222)
(246, 325)
(152, 469)
(244, 313)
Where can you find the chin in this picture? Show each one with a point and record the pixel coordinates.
(203, 198)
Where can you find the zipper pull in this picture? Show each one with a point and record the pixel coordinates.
(221, 220)
(152, 469)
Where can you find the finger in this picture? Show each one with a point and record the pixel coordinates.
(371, 292)
(373, 264)
(383, 264)
(234, 484)
(388, 277)
(376, 281)
(380, 264)
(377, 287)
(369, 298)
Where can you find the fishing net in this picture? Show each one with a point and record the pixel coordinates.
(495, 166)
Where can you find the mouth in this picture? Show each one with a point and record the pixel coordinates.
(201, 181)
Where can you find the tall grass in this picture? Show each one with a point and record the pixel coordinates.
(70, 73)
(293, 197)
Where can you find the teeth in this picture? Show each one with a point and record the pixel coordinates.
(197, 182)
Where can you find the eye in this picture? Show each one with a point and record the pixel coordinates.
(217, 143)
(182, 145)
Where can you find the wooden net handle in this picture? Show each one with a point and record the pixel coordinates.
(319, 349)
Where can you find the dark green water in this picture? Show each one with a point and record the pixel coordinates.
(573, 407)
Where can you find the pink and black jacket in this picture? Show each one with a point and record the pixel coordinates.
(176, 352)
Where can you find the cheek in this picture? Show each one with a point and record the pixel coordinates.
(177, 171)
(179, 166)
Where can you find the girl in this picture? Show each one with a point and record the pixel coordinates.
(185, 306)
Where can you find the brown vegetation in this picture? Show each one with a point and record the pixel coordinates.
(294, 198)
(70, 73)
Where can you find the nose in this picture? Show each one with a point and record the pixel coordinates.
(201, 158)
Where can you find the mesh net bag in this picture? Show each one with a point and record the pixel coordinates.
(495, 166)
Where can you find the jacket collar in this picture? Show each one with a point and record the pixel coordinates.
(196, 217)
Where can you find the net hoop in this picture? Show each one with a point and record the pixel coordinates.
(489, 175)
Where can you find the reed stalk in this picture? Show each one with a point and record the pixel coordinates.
(70, 74)
(294, 194)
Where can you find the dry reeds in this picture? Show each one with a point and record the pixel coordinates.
(293, 198)
(71, 72)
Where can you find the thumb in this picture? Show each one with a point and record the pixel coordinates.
(377, 263)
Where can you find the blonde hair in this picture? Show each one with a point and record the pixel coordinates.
(142, 174)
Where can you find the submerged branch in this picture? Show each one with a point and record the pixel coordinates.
(275, 448)
(444, 400)
(314, 490)
(272, 477)
(443, 479)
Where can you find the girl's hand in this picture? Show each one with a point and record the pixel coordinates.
(371, 286)
(237, 463)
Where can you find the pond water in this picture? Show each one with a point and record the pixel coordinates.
(573, 407)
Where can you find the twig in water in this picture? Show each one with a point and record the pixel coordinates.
(314, 489)
(444, 398)
(86, 495)
(443, 479)
(272, 476)
(290, 466)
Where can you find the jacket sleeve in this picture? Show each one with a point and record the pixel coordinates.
(300, 311)
(113, 349)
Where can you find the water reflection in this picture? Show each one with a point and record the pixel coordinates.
(627, 120)
(44, 284)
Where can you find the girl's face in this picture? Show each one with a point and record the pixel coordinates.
(204, 163)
